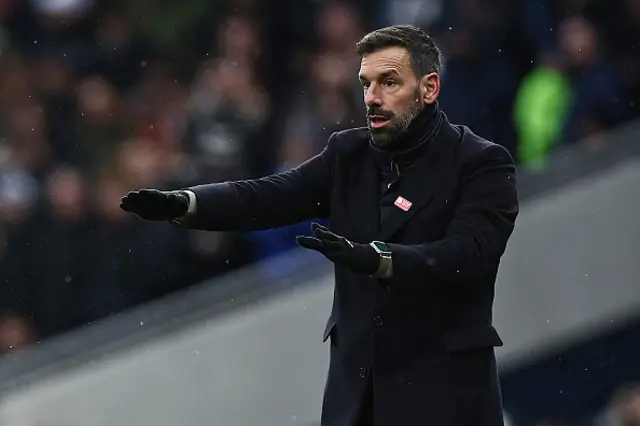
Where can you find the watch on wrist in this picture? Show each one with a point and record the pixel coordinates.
(383, 250)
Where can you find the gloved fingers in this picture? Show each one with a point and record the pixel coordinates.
(151, 195)
(135, 199)
(315, 226)
(335, 252)
(173, 198)
(332, 246)
(330, 237)
(128, 201)
(309, 243)
(177, 204)
(319, 245)
(324, 234)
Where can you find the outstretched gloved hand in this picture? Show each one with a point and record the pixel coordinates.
(360, 258)
(156, 205)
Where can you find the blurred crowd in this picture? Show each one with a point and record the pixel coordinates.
(100, 97)
(624, 408)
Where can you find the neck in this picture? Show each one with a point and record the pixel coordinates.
(423, 126)
(422, 130)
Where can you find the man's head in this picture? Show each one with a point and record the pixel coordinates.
(399, 72)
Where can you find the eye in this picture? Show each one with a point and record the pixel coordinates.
(390, 83)
(365, 84)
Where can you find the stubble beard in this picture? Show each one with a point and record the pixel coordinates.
(399, 124)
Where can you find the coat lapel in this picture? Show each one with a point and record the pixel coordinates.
(363, 199)
(421, 181)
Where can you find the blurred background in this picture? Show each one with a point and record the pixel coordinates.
(105, 319)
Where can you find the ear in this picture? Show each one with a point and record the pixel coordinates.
(429, 88)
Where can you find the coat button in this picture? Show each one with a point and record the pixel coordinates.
(378, 321)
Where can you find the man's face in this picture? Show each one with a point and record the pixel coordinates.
(392, 93)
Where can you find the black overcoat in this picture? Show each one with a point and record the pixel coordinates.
(425, 338)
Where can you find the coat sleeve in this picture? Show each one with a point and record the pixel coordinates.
(270, 202)
(477, 235)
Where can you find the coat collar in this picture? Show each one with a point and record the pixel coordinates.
(421, 179)
(427, 159)
(414, 143)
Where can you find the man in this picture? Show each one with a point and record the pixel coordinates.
(420, 213)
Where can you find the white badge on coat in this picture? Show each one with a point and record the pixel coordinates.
(403, 204)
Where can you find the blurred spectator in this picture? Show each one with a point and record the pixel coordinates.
(624, 408)
(227, 111)
(100, 128)
(479, 81)
(628, 407)
(15, 333)
(598, 99)
(622, 37)
(120, 54)
(541, 106)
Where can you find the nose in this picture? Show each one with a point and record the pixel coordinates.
(371, 97)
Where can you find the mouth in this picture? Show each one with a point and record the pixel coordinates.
(378, 121)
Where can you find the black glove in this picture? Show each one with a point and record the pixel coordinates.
(152, 204)
(360, 258)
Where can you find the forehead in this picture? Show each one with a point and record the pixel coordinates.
(385, 61)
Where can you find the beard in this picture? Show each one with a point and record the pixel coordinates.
(399, 123)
